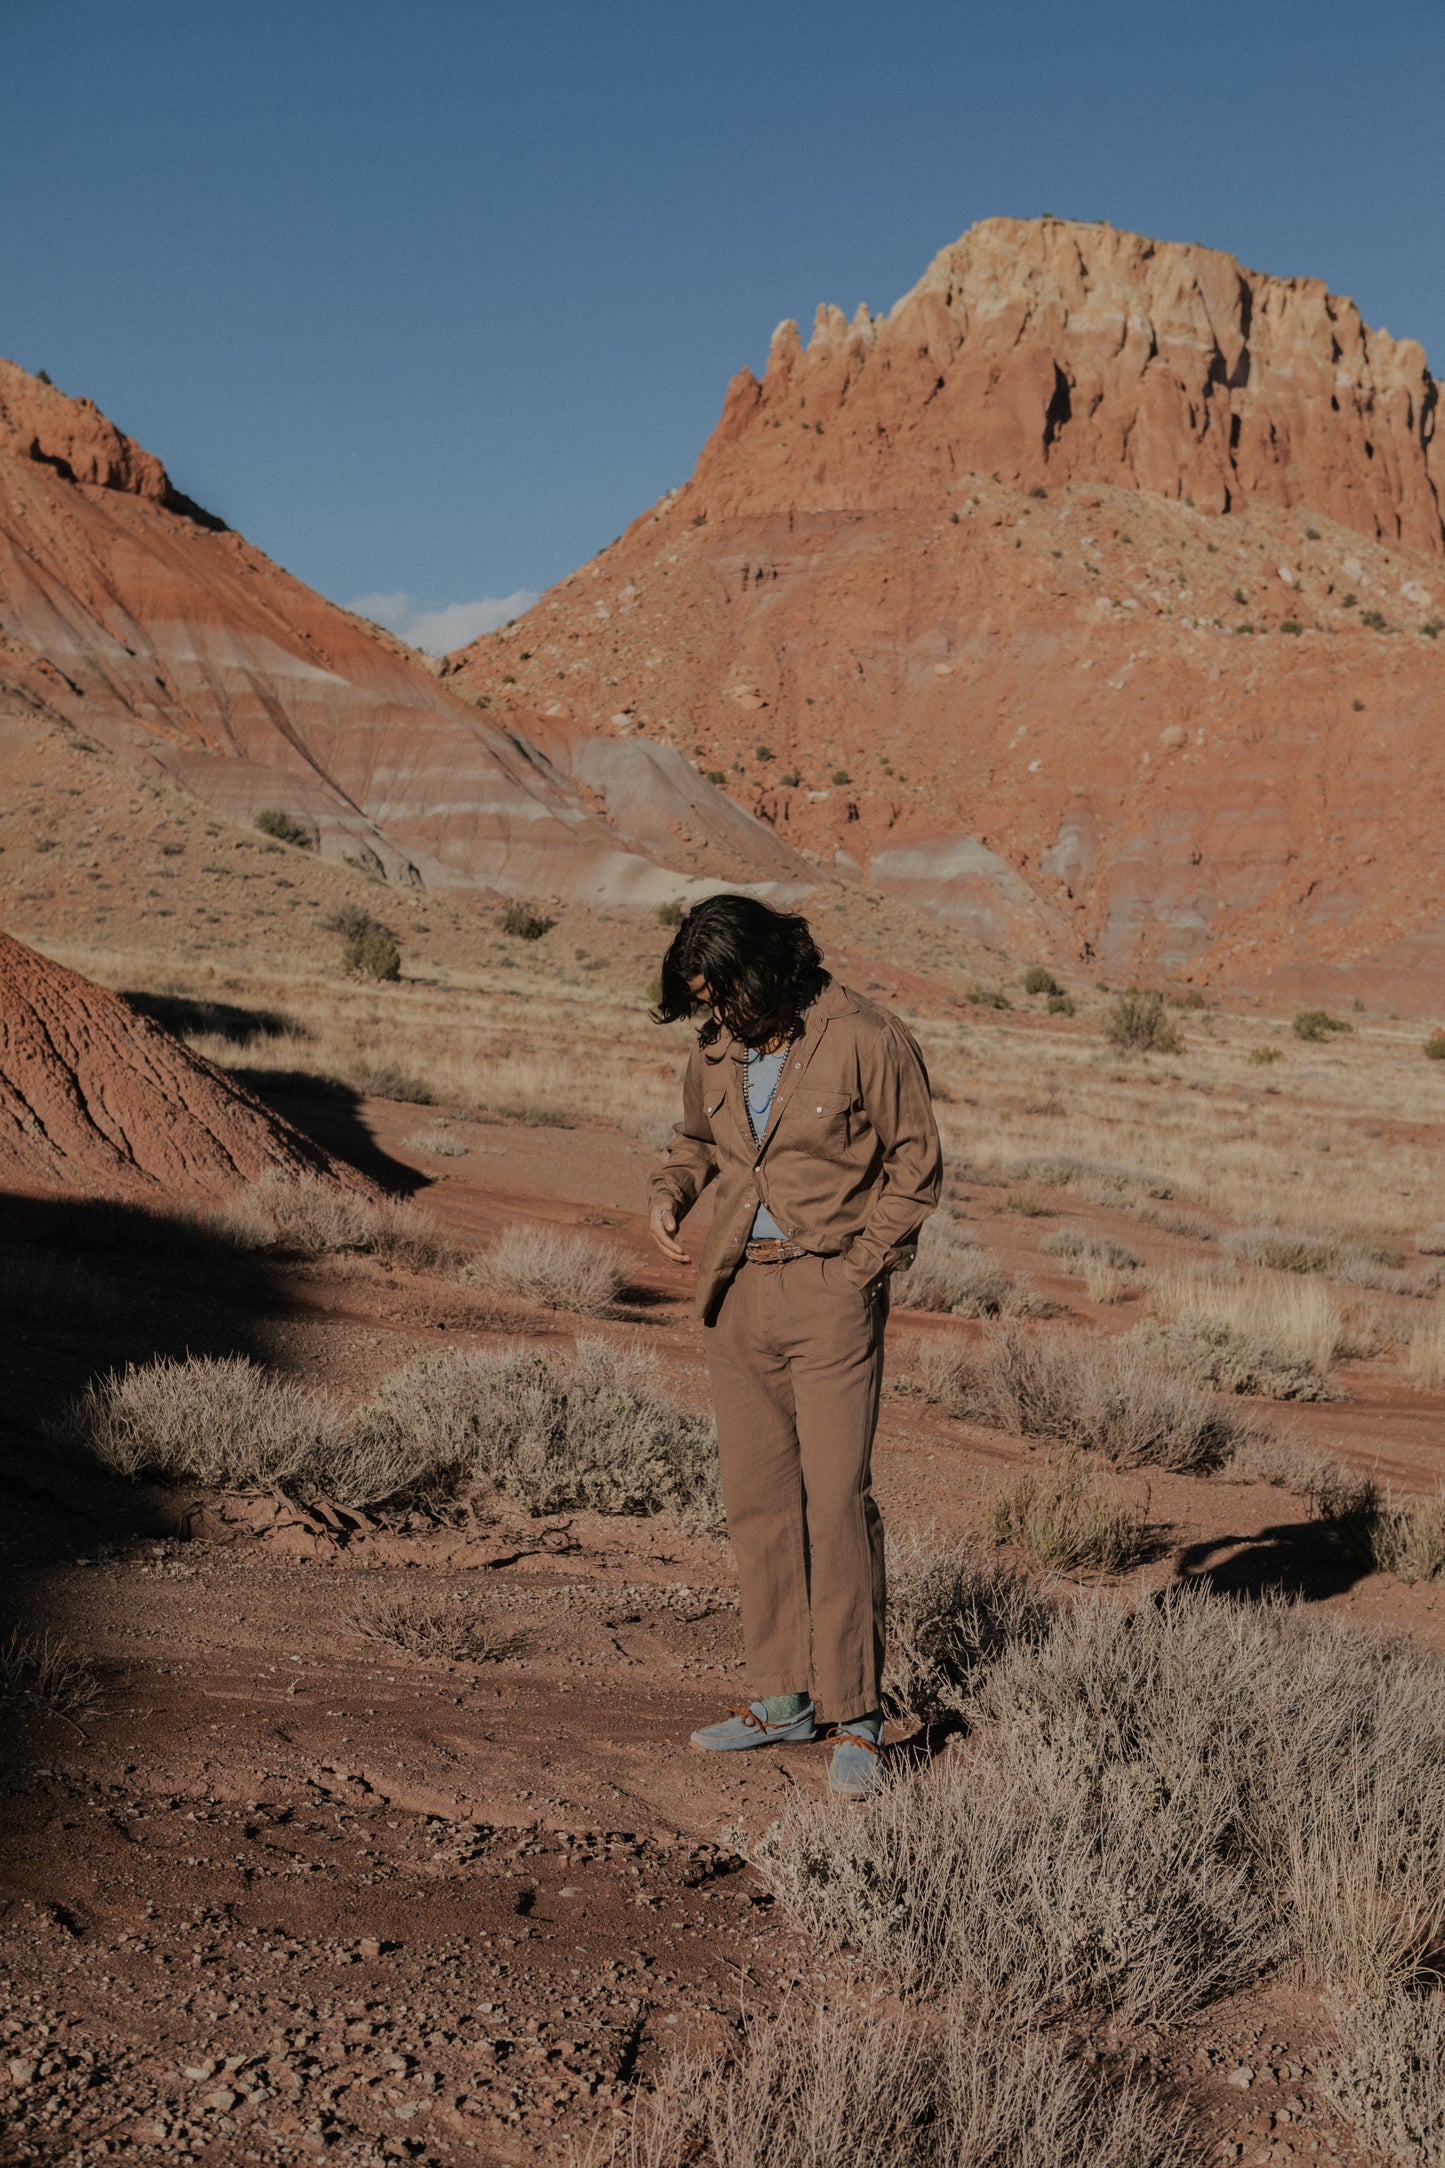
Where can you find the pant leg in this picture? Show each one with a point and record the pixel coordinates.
(835, 1354)
(761, 1479)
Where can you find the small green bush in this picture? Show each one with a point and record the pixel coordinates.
(1138, 1024)
(670, 914)
(1318, 1024)
(523, 923)
(764, 752)
(283, 828)
(1291, 624)
(1375, 619)
(1061, 1004)
(1433, 629)
(1039, 980)
(841, 775)
(1262, 1056)
(988, 997)
(790, 782)
(1435, 1045)
(351, 920)
(372, 956)
(714, 776)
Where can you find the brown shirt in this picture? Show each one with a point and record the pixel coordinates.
(849, 1164)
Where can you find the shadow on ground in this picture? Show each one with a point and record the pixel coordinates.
(1312, 1559)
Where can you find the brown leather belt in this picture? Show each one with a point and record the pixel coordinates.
(774, 1252)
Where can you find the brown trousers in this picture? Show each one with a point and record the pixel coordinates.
(796, 1360)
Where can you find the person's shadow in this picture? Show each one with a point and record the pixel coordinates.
(1311, 1559)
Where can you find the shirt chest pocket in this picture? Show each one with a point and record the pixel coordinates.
(824, 1118)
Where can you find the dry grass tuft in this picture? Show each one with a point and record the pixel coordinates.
(1157, 1806)
(850, 2084)
(1216, 1354)
(1096, 1179)
(216, 1420)
(1060, 1519)
(46, 1668)
(1407, 1538)
(562, 1272)
(953, 1274)
(1114, 1397)
(596, 1430)
(1295, 1314)
(318, 1220)
(429, 1623)
(438, 1142)
(1425, 1354)
(953, 1609)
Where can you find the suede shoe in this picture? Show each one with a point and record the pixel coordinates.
(750, 1727)
(856, 1771)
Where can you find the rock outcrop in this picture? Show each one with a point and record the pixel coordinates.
(1056, 352)
(1091, 599)
(136, 615)
(97, 1100)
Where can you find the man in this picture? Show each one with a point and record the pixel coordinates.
(810, 1108)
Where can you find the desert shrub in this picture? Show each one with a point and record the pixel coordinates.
(318, 1219)
(1118, 1398)
(217, 1420)
(1425, 1354)
(371, 956)
(284, 828)
(1375, 619)
(670, 914)
(1435, 1046)
(1215, 1353)
(442, 1624)
(848, 2081)
(1078, 1248)
(1061, 1004)
(1157, 1805)
(1096, 1179)
(952, 1610)
(1060, 1518)
(523, 923)
(1285, 1251)
(952, 1274)
(47, 1668)
(1193, 999)
(1318, 1024)
(1388, 2078)
(562, 1272)
(1138, 1023)
(352, 920)
(1262, 1056)
(1407, 1537)
(384, 1080)
(1192, 1225)
(1292, 1315)
(596, 1430)
(1039, 980)
(440, 1143)
(988, 997)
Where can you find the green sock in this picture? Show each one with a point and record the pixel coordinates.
(870, 1726)
(784, 1708)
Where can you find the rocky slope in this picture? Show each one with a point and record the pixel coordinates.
(129, 611)
(97, 1100)
(1091, 598)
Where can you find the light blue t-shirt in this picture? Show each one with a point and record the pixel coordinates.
(763, 1071)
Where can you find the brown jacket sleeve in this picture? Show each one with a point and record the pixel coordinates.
(900, 1107)
(692, 1156)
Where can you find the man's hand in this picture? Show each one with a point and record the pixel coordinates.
(662, 1226)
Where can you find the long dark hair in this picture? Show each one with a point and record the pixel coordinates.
(762, 968)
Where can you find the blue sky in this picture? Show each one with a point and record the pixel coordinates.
(430, 301)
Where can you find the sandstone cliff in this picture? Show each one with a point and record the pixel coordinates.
(1091, 599)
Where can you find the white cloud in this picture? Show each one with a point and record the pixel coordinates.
(439, 631)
